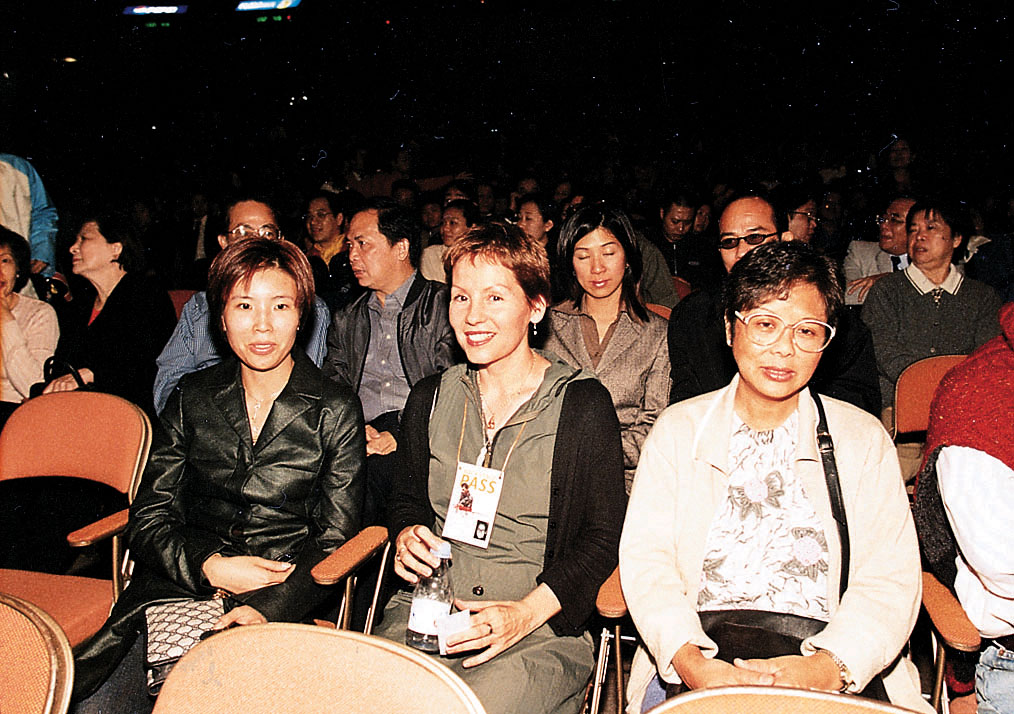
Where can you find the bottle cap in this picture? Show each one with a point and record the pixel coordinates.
(442, 551)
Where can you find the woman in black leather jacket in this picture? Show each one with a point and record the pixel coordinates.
(255, 474)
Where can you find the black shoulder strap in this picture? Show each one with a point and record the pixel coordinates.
(826, 447)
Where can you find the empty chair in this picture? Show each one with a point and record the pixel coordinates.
(87, 435)
(36, 665)
(299, 669)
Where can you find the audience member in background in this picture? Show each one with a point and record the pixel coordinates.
(867, 262)
(485, 199)
(392, 336)
(701, 359)
(687, 254)
(702, 219)
(604, 327)
(537, 217)
(929, 308)
(116, 329)
(431, 216)
(731, 515)
(799, 207)
(547, 434)
(193, 344)
(965, 501)
(459, 189)
(831, 235)
(28, 327)
(405, 193)
(328, 251)
(264, 412)
(459, 216)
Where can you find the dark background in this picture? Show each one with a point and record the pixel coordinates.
(498, 87)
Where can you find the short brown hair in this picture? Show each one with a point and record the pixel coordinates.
(506, 245)
(242, 259)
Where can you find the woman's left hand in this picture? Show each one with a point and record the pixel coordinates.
(818, 671)
(495, 626)
(67, 383)
(498, 625)
(242, 615)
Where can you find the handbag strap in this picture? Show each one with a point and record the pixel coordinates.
(826, 447)
(53, 363)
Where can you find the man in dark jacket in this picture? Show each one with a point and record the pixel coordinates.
(388, 339)
(701, 360)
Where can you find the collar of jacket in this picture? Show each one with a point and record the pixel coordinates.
(715, 451)
(300, 393)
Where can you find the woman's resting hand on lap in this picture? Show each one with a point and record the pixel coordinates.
(817, 671)
(498, 625)
(243, 615)
(243, 573)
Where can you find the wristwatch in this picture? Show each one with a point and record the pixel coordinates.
(843, 670)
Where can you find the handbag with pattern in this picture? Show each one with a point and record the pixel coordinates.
(173, 629)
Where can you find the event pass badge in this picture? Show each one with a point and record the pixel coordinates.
(474, 500)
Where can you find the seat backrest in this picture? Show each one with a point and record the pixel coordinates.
(36, 664)
(90, 435)
(297, 669)
(179, 299)
(914, 391)
(683, 288)
(771, 700)
(660, 310)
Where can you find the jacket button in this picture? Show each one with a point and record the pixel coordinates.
(478, 591)
(552, 524)
(550, 553)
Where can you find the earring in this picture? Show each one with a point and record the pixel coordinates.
(535, 329)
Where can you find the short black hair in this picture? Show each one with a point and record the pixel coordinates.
(464, 185)
(545, 204)
(790, 197)
(115, 226)
(22, 254)
(345, 204)
(223, 219)
(772, 269)
(781, 219)
(468, 209)
(397, 223)
(677, 195)
(951, 212)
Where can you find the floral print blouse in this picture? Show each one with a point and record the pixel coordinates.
(766, 549)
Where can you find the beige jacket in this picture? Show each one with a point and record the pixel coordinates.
(634, 368)
(681, 480)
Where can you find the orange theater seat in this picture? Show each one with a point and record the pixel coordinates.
(85, 435)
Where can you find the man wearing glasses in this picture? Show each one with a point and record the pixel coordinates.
(192, 346)
(701, 359)
(867, 262)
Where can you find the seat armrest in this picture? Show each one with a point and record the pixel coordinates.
(99, 530)
(337, 566)
(610, 602)
(947, 616)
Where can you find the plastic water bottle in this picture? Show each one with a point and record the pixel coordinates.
(431, 600)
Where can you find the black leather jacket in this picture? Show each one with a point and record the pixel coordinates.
(295, 495)
(425, 340)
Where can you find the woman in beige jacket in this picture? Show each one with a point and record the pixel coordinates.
(730, 508)
(605, 328)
